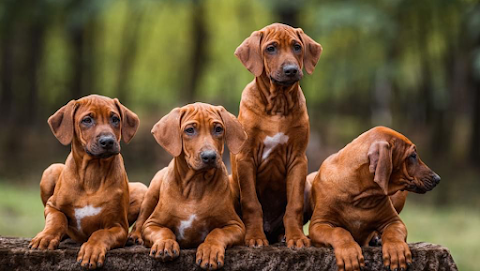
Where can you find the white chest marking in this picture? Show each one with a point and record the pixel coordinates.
(271, 142)
(81, 213)
(185, 224)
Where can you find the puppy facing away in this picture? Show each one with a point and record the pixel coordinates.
(350, 197)
(272, 167)
(89, 198)
(191, 203)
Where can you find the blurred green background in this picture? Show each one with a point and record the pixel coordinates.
(407, 64)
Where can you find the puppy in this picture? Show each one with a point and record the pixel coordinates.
(350, 197)
(191, 203)
(88, 198)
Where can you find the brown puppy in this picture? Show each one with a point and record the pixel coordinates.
(272, 166)
(190, 203)
(88, 198)
(350, 197)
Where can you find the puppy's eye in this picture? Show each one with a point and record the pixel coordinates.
(297, 47)
(271, 48)
(413, 156)
(87, 120)
(218, 129)
(115, 120)
(190, 131)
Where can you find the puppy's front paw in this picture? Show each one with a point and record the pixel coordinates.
(45, 241)
(165, 250)
(210, 256)
(396, 255)
(349, 257)
(298, 241)
(255, 238)
(135, 238)
(91, 255)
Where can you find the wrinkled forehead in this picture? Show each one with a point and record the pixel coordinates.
(280, 33)
(200, 113)
(97, 105)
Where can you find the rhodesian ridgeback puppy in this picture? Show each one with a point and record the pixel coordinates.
(350, 197)
(272, 166)
(89, 198)
(191, 202)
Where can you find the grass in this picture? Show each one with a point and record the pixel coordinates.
(455, 227)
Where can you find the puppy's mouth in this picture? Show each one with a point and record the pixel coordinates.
(200, 166)
(422, 186)
(102, 154)
(286, 82)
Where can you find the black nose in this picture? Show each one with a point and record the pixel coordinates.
(106, 142)
(208, 157)
(290, 70)
(436, 178)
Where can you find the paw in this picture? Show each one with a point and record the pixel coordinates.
(210, 256)
(91, 255)
(135, 238)
(396, 255)
(165, 250)
(45, 241)
(255, 238)
(349, 257)
(298, 241)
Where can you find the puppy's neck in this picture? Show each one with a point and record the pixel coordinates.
(195, 183)
(92, 172)
(278, 99)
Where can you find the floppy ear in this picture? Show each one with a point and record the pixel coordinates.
(61, 123)
(234, 133)
(249, 53)
(167, 132)
(312, 51)
(130, 121)
(380, 158)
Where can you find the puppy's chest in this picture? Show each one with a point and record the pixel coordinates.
(88, 213)
(191, 221)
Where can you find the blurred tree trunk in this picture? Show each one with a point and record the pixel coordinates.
(33, 62)
(82, 41)
(130, 35)
(475, 90)
(198, 52)
(288, 14)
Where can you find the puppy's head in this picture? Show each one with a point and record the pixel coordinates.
(198, 132)
(396, 165)
(279, 51)
(95, 122)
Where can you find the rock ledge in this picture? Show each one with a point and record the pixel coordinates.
(14, 255)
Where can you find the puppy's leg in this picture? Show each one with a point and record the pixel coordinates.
(137, 192)
(347, 252)
(293, 219)
(211, 253)
(252, 212)
(149, 203)
(49, 180)
(396, 253)
(162, 242)
(398, 201)
(55, 228)
(92, 253)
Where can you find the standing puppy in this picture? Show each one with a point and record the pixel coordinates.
(190, 203)
(88, 198)
(350, 197)
(272, 166)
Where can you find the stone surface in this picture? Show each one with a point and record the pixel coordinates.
(14, 255)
